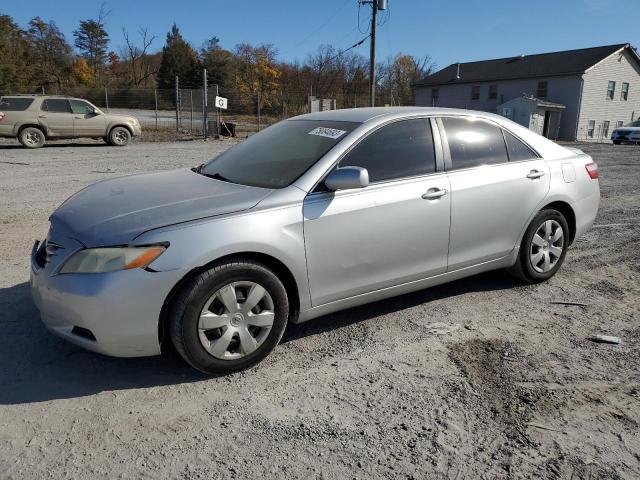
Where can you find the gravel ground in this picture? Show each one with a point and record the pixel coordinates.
(506, 387)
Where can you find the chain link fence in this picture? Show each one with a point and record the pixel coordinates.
(183, 109)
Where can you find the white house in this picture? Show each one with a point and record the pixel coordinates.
(571, 95)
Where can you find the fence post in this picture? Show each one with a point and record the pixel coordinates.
(155, 96)
(177, 104)
(205, 105)
(259, 125)
(217, 112)
(106, 99)
(191, 105)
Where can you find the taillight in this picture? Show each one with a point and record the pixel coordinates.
(1, 116)
(592, 170)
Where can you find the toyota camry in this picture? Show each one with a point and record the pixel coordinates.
(312, 215)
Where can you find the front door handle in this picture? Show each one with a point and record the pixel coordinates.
(42, 116)
(533, 174)
(79, 117)
(434, 194)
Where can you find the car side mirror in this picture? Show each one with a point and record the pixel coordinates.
(346, 178)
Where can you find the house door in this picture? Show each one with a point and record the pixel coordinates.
(547, 121)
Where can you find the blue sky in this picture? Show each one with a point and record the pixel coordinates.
(448, 31)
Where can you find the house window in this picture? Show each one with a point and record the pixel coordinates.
(619, 123)
(493, 92)
(542, 90)
(625, 92)
(591, 128)
(611, 90)
(605, 129)
(435, 96)
(475, 92)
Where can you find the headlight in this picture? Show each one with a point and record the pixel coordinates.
(111, 259)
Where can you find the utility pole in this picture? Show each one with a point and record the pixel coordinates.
(375, 6)
(372, 55)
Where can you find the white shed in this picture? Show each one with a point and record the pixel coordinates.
(541, 116)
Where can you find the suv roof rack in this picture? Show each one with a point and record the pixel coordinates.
(35, 95)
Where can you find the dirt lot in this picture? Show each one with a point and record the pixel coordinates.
(508, 388)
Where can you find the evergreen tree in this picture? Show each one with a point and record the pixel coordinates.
(216, 61)
(92, 40)
(178, 59)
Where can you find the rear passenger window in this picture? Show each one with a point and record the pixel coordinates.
(517, 150)
(399, 150)
(474, 142)
(17, 104)
(56, 105)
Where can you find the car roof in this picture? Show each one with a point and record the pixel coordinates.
(363, 115)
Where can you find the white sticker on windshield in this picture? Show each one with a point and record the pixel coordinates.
(327, 132)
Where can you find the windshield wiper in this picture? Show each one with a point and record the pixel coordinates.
(217, 176)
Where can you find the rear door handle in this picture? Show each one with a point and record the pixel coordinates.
(533, 174)
(434, 194)
(42, 116)
(79, 117)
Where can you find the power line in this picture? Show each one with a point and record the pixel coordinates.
(324, 24)
(355, 45)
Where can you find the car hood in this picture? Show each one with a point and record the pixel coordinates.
(115, 211)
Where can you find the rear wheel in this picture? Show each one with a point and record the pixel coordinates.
(229, 317)
(31, 137)
(543, 247)
(119, 137)
(616, 142)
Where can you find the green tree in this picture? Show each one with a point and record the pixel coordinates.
(215, 60)
(92, 40)
(16, 65)
(178, 59)
(51, 51)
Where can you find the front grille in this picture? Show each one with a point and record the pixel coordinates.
(83, 332)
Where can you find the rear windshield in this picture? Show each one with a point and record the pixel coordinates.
(278, 155)
(14, 104)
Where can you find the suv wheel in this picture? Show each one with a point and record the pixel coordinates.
(31, 137)
(543, 247)
(229, 317)
(119, 137)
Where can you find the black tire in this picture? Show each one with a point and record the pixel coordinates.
(32, 137)
(617, 142)
(119, 137)
(185, 311)
(524, 268)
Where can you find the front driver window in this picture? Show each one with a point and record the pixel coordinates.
(399, 150)
(81, 108)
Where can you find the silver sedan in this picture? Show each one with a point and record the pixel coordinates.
(315, 214)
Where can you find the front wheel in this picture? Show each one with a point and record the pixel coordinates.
(543, 247)
(119, 137)
(230, 317)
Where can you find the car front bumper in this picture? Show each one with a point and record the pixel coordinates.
(114, 313)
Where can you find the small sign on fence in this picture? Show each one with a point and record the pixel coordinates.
(221, 102)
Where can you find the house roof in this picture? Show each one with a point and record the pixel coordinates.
(539, 102)
(569, 62)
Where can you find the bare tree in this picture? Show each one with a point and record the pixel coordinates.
(137, 62)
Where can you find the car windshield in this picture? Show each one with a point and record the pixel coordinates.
(633, 124)
(278, 155)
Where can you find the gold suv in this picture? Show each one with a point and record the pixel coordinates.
(34, 119)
